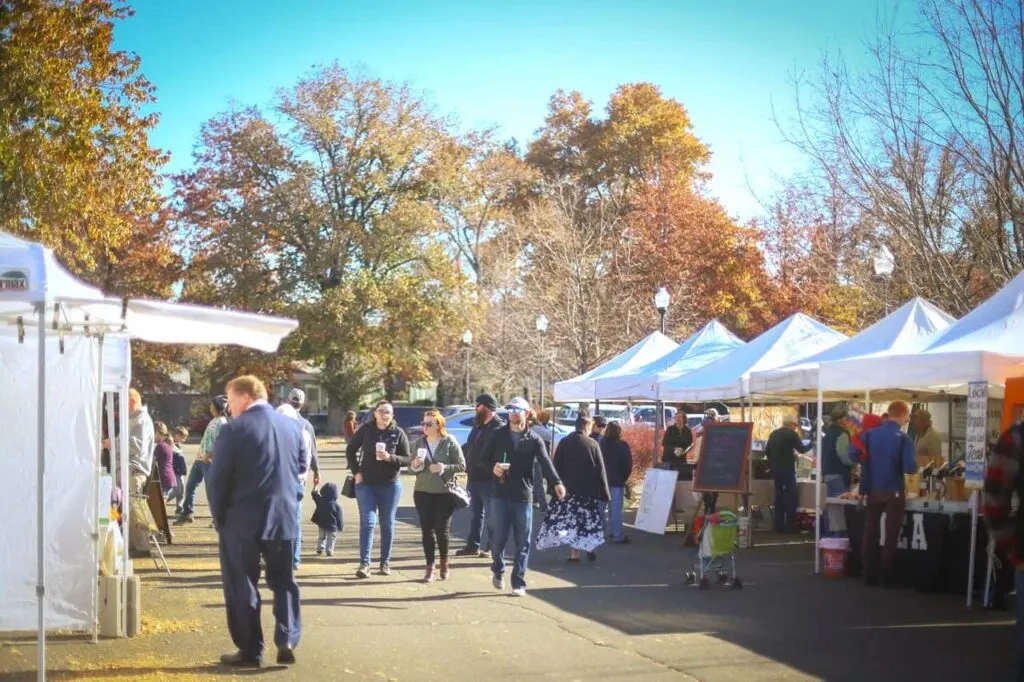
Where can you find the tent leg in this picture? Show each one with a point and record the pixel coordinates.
(40, 488)
(126, 506)
(749, 501)
(818, 422)
(973, 550)
(96, 493)
(986, 600)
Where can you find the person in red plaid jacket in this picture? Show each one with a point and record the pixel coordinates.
(1003, 477)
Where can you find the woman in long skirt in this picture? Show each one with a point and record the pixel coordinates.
(576, 520)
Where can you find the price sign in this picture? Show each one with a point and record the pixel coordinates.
(976, 442)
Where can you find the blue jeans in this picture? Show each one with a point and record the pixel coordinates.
(480, 493)
(835, 485)
(297, 558)
(785, 502)
(374, 499)
(539, 495)
(195, 476)
(615, 512)
(516, 519)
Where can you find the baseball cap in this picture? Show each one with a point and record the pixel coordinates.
(487, 400)
(600, 421)
(297, 397)
(221, 403)
(519, 404)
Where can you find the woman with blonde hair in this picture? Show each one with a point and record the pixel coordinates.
(437, 458)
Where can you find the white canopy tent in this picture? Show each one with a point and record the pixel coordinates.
(908, 329)
(708, 344)
(984, 346)
(52, 332)
(644, 352)
(728, 378)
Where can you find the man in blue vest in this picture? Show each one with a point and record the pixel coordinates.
(251, 488)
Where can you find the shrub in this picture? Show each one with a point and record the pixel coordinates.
(641, 442)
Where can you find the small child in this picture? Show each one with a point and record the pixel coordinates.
(180, 469)
(327, 517)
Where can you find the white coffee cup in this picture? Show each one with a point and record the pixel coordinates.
(504, 465)
(421, 453)
(381, 450)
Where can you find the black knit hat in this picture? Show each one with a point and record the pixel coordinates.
(487, 400)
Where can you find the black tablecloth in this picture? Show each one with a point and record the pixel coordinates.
(933, 551)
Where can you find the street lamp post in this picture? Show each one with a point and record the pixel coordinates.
(884, 264)
(467, 341)
(661, 302)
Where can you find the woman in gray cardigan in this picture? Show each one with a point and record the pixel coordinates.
(437, 459)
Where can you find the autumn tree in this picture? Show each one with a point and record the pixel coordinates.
(323, 209)
(76, 169)
(924, 145)
(712, 266)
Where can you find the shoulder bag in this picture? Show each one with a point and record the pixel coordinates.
(460, 496)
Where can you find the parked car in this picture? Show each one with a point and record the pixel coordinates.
(567, 413)
(646, 415)
(459, 425)
(406, 416)
(319, 422)
(455, 409)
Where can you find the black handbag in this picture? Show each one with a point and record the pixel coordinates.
(348, 488)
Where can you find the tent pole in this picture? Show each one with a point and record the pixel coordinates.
(40, 488)
(749, 502)
(818, 423)
(98, 468)
(126, 502)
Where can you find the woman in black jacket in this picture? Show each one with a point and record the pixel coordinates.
(376, 453)
(618, 464)
(576, 520)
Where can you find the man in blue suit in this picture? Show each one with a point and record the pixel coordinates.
(257, 460)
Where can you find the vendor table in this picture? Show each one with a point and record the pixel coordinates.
(933, 549)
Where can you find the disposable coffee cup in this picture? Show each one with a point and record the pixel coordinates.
(504, 465)
(381, 450)
(421, 453)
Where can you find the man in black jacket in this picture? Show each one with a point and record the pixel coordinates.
(516, 450)
(481, 481)
(676, 445)
(781, 449)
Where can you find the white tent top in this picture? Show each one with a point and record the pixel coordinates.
(907, 330)
(727, 378)
(30, 274)
(705, 346)
(986, 345)
(644, 352)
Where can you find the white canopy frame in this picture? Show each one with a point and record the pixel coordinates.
(32, 282)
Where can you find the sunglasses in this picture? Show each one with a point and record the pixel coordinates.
(429, 423)
(515, 410)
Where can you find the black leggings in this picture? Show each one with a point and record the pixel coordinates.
(435, 511)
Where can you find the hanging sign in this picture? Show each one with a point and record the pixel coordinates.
(977, 421)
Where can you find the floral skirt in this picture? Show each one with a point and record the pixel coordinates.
(575, 522)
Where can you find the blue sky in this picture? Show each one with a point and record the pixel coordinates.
(727, 61)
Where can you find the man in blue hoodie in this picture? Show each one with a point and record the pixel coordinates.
(888, 455)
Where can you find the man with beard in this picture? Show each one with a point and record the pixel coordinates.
(481, 482)
(511, 460)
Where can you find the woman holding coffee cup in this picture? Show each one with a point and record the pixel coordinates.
(437, 459)
(376, 454)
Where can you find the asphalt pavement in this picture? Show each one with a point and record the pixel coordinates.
(628, 616)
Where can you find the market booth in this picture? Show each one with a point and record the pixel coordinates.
(972, 358)
(728, 380)
(642, 353)
(53, 349)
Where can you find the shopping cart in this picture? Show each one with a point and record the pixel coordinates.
(717, 542)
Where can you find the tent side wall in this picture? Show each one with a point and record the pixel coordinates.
(71, 461)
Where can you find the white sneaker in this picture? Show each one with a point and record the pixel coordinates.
(519, 591)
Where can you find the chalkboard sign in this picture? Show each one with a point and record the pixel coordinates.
(724, 458)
